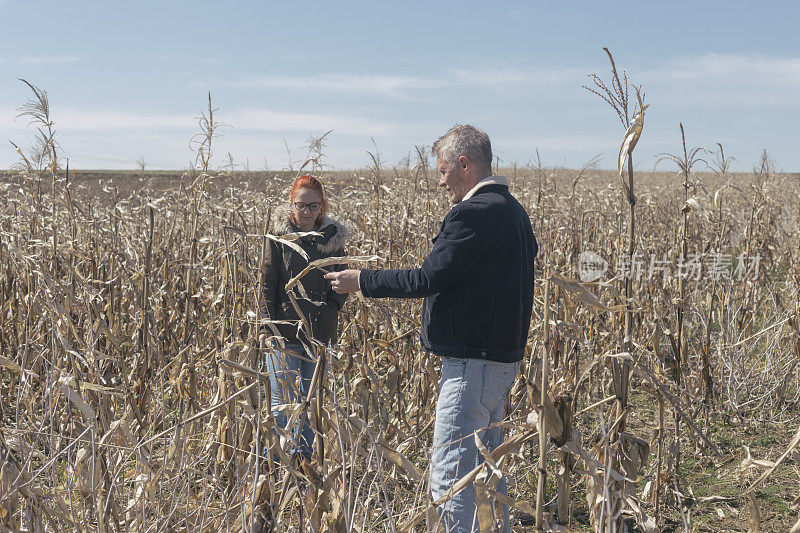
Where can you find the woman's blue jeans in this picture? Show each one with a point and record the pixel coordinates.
(472, 395)
(284, 367)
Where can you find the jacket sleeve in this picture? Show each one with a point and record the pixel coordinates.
(270, 280)
(336, 301)
(460, 244)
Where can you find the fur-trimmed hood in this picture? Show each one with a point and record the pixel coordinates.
(333, 234)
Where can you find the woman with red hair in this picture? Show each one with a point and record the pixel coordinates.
(290, 340)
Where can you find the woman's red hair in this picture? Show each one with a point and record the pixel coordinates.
(311, 183)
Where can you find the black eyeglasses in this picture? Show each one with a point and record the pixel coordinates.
(312, 207)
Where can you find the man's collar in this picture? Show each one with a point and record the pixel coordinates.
(491, 180)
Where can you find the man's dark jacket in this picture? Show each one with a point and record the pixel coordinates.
(477, 281)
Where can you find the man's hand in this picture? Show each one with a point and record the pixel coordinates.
(345, 281)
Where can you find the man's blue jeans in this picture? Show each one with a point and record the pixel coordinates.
(284, 367)
(472, 394)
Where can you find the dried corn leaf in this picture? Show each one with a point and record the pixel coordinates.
(86, 471)
(575, 287)
(80, 403)
(748, 462)
(9, 495)
(795, 527)
(483, 502)
(631, 138)
(792, 445)
(520, 505)
(328, 261)
(285, 239)
(9, 364)
(487, 456)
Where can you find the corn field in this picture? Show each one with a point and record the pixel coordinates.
(133, 395)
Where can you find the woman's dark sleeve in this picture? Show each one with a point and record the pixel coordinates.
(269, 280)
(336, 301)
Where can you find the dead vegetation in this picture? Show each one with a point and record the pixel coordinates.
(132, 394)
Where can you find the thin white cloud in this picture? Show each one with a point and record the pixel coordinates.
(402, 86)
(751, 67)
(45, 60)
(8, 115)
(499, 78)
(389, 85)
(90, 120)
(556, 143)
(735, 86)
(719, 80)
(254, 119)
(270, 120)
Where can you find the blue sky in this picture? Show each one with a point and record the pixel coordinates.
(129, 79)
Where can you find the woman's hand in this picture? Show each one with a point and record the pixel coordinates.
(344, 282)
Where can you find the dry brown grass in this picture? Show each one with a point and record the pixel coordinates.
(118, 412)
(132, 393)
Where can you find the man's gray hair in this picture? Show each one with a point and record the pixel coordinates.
(464, 140)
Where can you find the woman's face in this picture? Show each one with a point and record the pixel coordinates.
(304, 201)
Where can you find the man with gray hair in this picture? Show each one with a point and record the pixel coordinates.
(477, 285)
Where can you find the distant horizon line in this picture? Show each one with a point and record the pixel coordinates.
(352, 169)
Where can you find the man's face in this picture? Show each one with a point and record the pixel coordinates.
(453, 177)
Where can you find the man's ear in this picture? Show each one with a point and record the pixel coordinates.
(464, 161)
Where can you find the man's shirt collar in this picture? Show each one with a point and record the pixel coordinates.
(490, 180)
